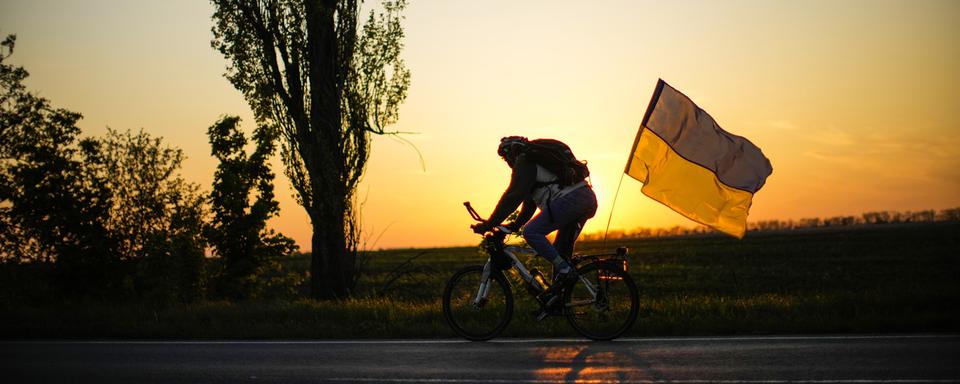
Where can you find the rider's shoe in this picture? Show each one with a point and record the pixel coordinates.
(550, 299)
(560, 282)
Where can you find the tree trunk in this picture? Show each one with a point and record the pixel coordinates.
(331, 264)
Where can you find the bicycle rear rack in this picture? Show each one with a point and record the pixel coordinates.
(617, 259)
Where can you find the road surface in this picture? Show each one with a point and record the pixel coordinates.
(772, 359)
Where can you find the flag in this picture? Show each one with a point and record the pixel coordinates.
(688, 163)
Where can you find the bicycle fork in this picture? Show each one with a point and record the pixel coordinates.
(484, 289)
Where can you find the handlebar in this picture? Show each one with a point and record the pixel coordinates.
(473, 212)
(476, 216)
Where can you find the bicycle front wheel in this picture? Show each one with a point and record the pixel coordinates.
(475, 319)
(603, 303)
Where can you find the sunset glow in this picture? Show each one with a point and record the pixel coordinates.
(854, 102)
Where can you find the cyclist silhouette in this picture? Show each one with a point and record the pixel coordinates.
(563, 208)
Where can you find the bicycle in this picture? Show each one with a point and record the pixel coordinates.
(600, 304)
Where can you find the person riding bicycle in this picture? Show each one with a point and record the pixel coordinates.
(562, 208)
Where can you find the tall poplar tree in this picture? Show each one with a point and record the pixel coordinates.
(327, 83)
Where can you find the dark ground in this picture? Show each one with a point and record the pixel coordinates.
(877, 279)
(783, 359)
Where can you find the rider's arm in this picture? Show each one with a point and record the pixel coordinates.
(522, 180)
(526, 212)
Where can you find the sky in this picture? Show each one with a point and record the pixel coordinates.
(855, 103)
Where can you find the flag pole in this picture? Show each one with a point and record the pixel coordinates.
(636, 141)
(612, 206)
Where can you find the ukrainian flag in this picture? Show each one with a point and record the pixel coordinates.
(690, 164)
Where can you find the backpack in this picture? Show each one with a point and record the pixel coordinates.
(557, 158)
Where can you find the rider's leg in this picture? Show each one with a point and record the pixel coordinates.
(535, 233)
(568, 234)
(566, 238)
(567, 209)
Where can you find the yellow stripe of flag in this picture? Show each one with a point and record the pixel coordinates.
(689, 189)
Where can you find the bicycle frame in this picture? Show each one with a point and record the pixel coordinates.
(513, 252)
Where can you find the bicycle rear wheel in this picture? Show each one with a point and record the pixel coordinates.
(469, 319)
(603, 303)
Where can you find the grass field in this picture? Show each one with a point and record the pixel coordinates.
(882, 278)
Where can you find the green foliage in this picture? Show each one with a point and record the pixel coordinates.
(242, 201)
(304, 69)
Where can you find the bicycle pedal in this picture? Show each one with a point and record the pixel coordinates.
(544, 313)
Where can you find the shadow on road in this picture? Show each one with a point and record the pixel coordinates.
(592, 362)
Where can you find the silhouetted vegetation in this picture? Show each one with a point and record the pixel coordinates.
(304, 68)
(52, 208)
(155, 217)
(110, 218)
(242, 201)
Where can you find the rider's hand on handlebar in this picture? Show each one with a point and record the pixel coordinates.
(481, 227)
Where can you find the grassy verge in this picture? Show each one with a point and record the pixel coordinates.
(902, 278)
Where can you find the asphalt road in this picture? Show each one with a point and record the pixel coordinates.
(779, 359)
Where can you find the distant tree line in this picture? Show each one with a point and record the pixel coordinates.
(108, 218)
(868, 218)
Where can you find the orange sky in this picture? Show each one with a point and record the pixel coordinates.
(854, 102)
